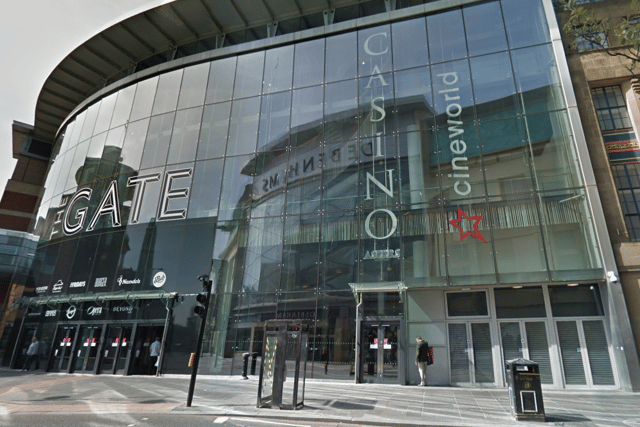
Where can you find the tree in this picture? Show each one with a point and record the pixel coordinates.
(592, 31)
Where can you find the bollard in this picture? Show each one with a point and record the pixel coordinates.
(245, 365)
(254, 358)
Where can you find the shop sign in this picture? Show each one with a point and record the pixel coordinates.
(81, 284)
(71, 312)
(122, 281)
(50, 313)
(94, 311)
(159, 279)
(57, 287)
(101, 282)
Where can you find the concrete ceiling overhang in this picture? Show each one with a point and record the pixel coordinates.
(113, 51)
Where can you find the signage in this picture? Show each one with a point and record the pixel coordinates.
(121, 281)
(71, 312)
(81, 284)
(50, 313)
(159, 279)
(94, 311)
(101, 282)
(57, 288)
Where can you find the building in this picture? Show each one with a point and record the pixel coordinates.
(377, 169)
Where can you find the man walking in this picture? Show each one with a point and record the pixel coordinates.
(154, 353)
(422, 355)
(32, 354)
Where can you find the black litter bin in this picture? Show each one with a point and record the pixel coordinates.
(525, 390)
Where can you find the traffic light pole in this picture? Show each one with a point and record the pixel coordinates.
(206, 286)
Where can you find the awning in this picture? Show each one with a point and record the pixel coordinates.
(377, 287)
(99, 297)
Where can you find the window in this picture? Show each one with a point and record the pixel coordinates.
(467, 304)
(627, 179)
(611, 108)
(590, 38)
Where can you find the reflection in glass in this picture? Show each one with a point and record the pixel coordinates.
(274, 121)
(221, 78)
(243, 128)
(341, 60)
(237, 182)
(167, 93)
(304, 179)
(374, 50)
(493, 86)
(150, 198)
(525, 22)
(264, 255)
(122, 109)
(74, 135)
(194, 83)
(461, 171)
(278, 70)
(339, 250)
(308, 67)
(143, 101)
(213, 133)
(446, 36)
(175, 191)
(410, 48)
(524, 302)
(380, 257)
(205, 190)
(414, 103)
(158, 137)
(306, 116)
(340, 176)
(300, 254)
(249, 75)
(184, 140)
(376, 105)
(419, 167)
(104, 115)
(452, 92)
(341, 111)
(270, 183)
(485, 29)
(134, 143)
(89, 122)
(422, 250)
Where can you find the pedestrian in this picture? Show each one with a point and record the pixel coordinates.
(154, 353)
(32, 354)
(422, 356)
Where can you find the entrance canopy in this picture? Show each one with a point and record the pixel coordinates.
(375, 287)
(100, 297)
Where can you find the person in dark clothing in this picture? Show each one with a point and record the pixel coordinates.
(422, 355)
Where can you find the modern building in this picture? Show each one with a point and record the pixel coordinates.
(379, 170)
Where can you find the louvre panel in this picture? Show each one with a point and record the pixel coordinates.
(539, 349)
(571, 353)
(457, 353)
(511, 340)
(482, 356)
(599, 360)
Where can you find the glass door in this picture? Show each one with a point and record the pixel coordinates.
(62, 348)
(87, 349)
(527, 340)
(379, 356)
(116, 349)
(470, 353)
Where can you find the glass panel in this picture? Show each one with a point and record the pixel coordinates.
(89, 122)
(306, 116)
(176, 189)
(308, 68)
(341, 57)
(341, 111)
(335, 336)
(539, 349)
(493, 86)
(537, 79)
(205, 189)
(370, 354)
(458, 353)
(571, 353)
(111, 157)
(423, 245)
(511, 341)
(376, 105)
(304, 179)
(453, 97)
(249, 75)
(446, 36)
(243, 129)
(110, 349)
(104, 115)
(340, 176)
(581, 300)
(122, 109)
(264, 255)
(193, 86)
(525, 22)
(184, 140)
(133, 144)
(390, 354)
(414, 101)
(525, 302)
(599, 360)
(221, 78)
(83, 348)
(339, 250)
(467, 304)
(278, 70)
(143, 102)
(213, 134)
(301, 253)
(167, 94)
(410, 47)
(374, 50)
(150, 198)
(235, 199)
(485, 29)
(482, 356)
(107, 256)
(83, 264)
(274, 122)
(74, 137)
(158, 138)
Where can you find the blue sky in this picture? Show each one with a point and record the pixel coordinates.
(35, 36)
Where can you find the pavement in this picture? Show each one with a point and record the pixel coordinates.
(336, 402)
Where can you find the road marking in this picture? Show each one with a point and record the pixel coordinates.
(220, 420)
(270, 422)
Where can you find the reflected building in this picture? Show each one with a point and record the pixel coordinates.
(418, 172)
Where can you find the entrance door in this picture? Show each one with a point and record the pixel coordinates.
(379, 355)
(585, 353)
(87, 349)
(528, 340)
(117, 348)
(145, 335)
(470, 353)
(62, 343)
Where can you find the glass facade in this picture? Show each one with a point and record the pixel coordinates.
(434, 151)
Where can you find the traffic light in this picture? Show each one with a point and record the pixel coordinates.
(202, 299)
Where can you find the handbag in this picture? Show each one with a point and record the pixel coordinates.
(430, 356)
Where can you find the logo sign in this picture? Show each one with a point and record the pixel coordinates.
(71, 311)
(101, 282)
(159, 279)
(50, 313)
(57, 287)
(94, 311)
(122, 281)
(81, 284)
(473, 233)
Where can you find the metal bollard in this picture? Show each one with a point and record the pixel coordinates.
(254, 358)
(245, 365)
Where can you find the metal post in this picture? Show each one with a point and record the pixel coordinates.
(206, 284)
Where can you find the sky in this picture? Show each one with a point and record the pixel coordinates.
(35, 36)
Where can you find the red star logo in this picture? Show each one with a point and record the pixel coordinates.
(475, 233)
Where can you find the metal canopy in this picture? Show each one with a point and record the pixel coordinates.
(376, 287)
(101, 297)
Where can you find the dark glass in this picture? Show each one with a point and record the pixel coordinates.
(485, 29)
(376, 105)
(339, 250)
(341, 111)
(340, 176)
(410, 48)
(237, 183)
(107, 256)
(278, 70)
(578, 301)
(414, 99)
(221, 78)
(213, 133)
(493, 86)
(243, 128)
(89, 122)
(158, 137)
(122, 109)
(143, 101)
(133, 144)
(274, 122)
(47, 257)
(249, 75)
(308, 68)
(167, 94)
(525, 22)
(193, 88)
(306, 116)
(152, 309)
(519, 303)
(136, 256)
(205, 189)
(382, 304)
(334, 342)
(62, 270)
(453, 97)
(446, 36)
(467, 304)
(184, 139)
(122, 310)
(104, 115)
(341, 57)
(301, 253)
(374, 50)
(263, 262)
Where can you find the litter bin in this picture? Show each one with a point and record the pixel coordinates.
(525, 390)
